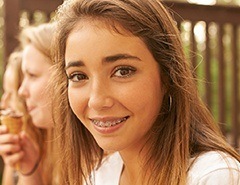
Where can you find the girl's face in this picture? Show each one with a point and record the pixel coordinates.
(36, 70)
(114, 85)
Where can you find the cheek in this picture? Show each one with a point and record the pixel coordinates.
(76, 101)
(145, 100)
(40, 90)
(144, 93)
(37, 92)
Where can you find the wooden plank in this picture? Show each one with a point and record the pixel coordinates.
(234, 98)
(221, 81)
(208, 87)
(195, 12)
(46, 6)
(11, 27)
(193, 48)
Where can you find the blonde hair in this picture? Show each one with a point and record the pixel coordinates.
(14, 64)
(182, 130)
(41, 37)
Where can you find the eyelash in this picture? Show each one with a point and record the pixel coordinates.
(76, 75)
(30, 75)
(129, 69)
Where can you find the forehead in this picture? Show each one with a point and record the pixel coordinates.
(33, 58)
(99, 38)
(101, 23)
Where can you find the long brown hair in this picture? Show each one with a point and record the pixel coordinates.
(184, 127)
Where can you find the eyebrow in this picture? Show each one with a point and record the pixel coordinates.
(74, 64)
(117, 57)
(108, 59)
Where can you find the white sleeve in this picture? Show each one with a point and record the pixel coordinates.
(214, 168)
(221, 177)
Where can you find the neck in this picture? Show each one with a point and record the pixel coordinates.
(133, 170)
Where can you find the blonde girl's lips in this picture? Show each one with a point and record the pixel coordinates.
(105, 123)
(30, 108)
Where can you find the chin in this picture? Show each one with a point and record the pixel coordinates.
(112, 147)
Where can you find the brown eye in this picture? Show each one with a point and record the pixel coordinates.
(77, 77)
(124, 71)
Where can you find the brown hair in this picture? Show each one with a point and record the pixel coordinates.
(182, 130)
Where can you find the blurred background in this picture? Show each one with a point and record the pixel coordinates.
(210, 34)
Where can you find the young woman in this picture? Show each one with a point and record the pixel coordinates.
(11, 101)
(36, 159)
(124, 85)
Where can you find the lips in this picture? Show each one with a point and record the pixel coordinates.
(30, 108)
(106, 123)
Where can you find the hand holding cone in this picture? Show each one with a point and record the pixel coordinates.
(14, 124)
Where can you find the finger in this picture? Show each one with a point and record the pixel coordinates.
(3, 129)
(13, 159)
(8, 149)
(9, 138)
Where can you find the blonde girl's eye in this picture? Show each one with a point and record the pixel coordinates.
(77, 77)
(124, 71)
(31, 75)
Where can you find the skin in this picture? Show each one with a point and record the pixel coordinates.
(113, 78)
(36, 70)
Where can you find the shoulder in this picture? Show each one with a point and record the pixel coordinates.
(112, 164)
(214, 168)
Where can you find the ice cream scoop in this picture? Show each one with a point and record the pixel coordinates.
(12, 120)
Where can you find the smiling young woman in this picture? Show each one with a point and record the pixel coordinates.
(103, 85)
(124, 86)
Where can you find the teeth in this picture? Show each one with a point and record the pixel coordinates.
(108, 123)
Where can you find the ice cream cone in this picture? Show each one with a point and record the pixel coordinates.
(14, 124)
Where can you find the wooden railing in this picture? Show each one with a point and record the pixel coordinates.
(13, 10)
(212, 40)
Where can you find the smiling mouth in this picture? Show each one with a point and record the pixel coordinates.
(108, 123)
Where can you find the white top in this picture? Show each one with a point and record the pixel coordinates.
(210, 168)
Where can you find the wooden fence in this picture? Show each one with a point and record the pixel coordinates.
(212, 40)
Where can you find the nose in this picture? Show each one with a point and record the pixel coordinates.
(100, 96)
(22, 91)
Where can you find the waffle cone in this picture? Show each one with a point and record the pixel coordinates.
(13, 123)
